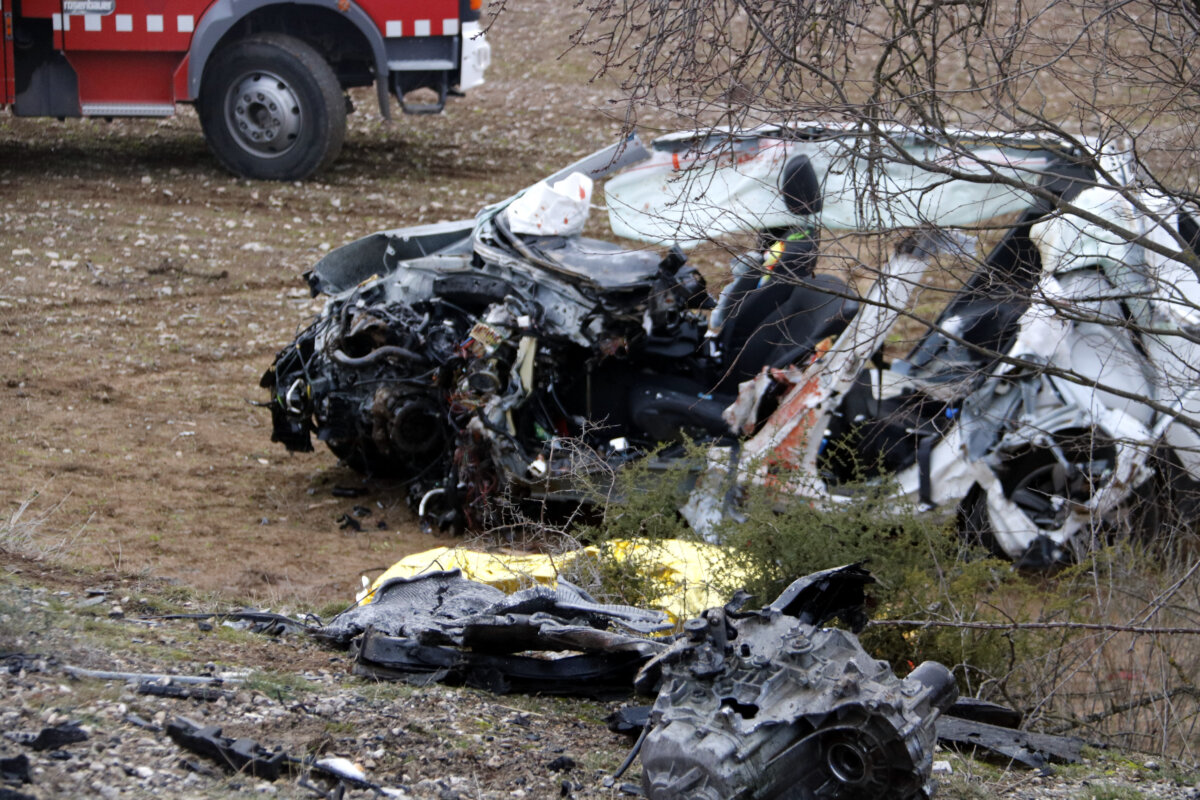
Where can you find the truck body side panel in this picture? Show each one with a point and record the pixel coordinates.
(137, 25)
(111, 79)
(126, 52)
(41, 9)
(179, 79)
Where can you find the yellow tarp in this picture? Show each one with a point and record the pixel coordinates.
(681, 578)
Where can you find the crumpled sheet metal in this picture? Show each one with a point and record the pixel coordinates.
(694, 187)
(682, 570)
(439, 626)
(507, 572)
(442, 607)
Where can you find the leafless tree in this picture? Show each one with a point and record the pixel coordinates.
(1123, 74)
(1113, 70)
(1093, 76)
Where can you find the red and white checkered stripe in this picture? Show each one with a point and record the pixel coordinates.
(396, 28)
(123, 23)
(186, 23)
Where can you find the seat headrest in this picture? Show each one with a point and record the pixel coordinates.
(799, 186)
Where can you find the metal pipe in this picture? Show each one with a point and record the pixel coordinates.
(373, 356)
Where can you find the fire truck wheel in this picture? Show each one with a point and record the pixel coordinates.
(272, 108)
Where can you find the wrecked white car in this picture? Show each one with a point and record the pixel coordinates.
(501, 357)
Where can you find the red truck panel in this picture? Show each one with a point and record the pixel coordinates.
(40, 9)
(125, 78)
(129, 54)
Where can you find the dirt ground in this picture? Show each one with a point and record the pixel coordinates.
(143, 292)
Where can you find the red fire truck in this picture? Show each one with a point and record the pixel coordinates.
(268, 78)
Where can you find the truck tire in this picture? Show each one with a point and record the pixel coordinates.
(272, 108)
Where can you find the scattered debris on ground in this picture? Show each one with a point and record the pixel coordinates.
(292, 693)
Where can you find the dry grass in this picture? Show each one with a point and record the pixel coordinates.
(28, 533)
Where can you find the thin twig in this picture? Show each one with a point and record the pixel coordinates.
(1121, 708)
(1036, 626)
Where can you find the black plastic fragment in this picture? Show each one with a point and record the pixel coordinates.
(141, 722)
(348, 491)
(976, 710)
(1034, 750)
(15, 769)
(629, 720)
(249, 757)
(184, 692)
(829, 594)
(249, 619)
(236, 755)
(561, 764)
(58, 736)
(15, 663)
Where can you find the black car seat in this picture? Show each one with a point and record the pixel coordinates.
(790, 309)
(778, 317)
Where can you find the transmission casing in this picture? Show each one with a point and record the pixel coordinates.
(771, 707)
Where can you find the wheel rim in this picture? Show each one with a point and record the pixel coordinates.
(263, 113)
